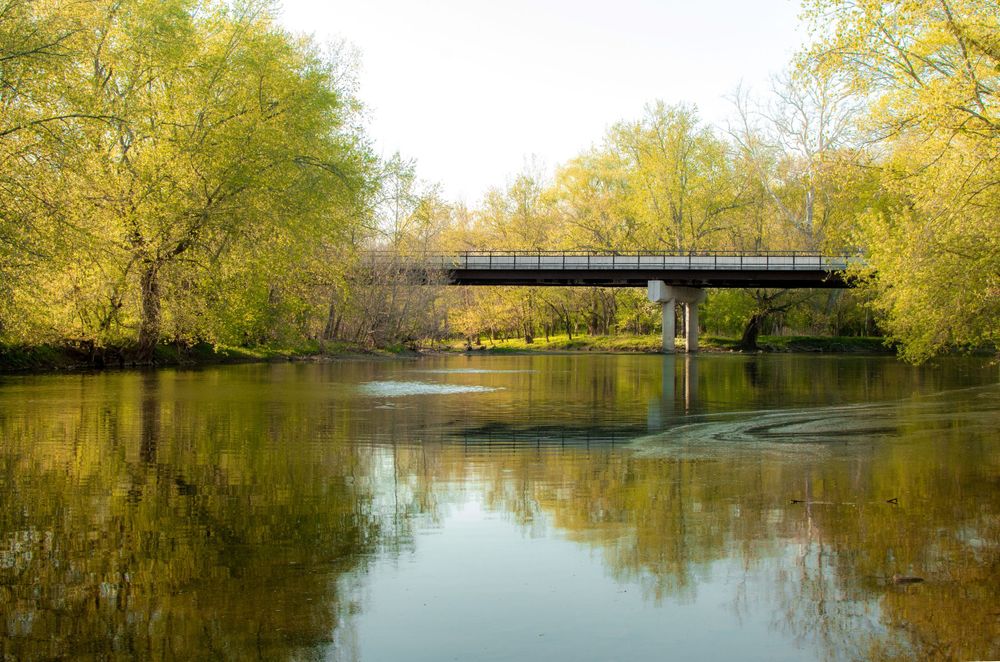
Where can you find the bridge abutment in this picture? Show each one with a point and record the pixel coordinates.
(668, 296)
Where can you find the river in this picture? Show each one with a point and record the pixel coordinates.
(565, 507)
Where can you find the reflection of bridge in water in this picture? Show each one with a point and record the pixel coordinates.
(500, 436)
(678, 398)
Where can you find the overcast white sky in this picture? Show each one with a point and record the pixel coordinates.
(473, 89)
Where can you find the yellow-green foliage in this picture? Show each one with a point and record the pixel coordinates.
(931, 72)
(167, 160)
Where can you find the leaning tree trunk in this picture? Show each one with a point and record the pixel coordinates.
(149, 324)
(748, 343)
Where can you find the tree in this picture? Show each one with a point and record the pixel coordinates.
(678, 176)
(794, 148)
(593, 198)
(792, 145)
(931, 72)
(39, 42)
(383, 298)
(519, 216)
(230, 138)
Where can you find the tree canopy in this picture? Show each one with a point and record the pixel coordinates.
(929, 71)
(197, 153)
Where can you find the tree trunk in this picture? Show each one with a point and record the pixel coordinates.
(332, 323)
(748, 343)
(149, 324)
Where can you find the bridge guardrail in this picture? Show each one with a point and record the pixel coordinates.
(584, 260)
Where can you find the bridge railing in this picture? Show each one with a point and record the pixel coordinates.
(586, 260)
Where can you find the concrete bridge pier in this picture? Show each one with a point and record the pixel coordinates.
(691, 323)
(670, 295)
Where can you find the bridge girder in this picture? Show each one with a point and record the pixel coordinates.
(818, 278)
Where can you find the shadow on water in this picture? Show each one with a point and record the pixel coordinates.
(237, 512)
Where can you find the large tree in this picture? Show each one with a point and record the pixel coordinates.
(679, 177)
(224, 153)
(930, 70)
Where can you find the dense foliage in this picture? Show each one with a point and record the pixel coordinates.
(930, 72)
(178, 170)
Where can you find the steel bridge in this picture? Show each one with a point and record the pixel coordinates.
(789, 269)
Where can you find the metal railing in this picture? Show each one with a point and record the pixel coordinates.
(591, 260)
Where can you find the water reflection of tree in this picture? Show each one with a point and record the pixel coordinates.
(823, 565)
(150, 526)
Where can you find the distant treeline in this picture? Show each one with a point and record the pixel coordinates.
(188, 171)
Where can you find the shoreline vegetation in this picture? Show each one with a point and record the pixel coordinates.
(651, 344)
(23, 359)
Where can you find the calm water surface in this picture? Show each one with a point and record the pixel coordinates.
(494, 508)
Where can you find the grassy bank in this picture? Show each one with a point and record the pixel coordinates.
(652, 344)
(56, 357)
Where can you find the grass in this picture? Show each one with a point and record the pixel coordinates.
(17, 358)
(562, 343)
(56, 357)
(827, 344)
(652, 343)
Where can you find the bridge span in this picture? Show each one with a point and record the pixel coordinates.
(636, 269)
(670, 278)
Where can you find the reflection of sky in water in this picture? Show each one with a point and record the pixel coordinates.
(479, 584)
(394, 389)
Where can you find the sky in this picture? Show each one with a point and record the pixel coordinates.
(477, 91)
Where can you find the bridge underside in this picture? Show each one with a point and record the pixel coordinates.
(701, 278)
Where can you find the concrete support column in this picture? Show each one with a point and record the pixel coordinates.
(669, 296)
(691, 325)
(667, 310)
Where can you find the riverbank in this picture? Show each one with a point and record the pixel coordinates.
(652, 344)
(56, 358)
(59, 358)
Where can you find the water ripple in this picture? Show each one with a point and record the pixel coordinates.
(816, 429)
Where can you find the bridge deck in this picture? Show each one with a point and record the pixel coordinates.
(789, 269)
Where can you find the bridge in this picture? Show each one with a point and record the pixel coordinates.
(635, 269)
(670, 278)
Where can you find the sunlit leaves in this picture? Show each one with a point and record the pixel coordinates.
(217, 136)
(931, 71)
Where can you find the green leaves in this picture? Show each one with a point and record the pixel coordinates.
(931, 71)
(188, 134)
